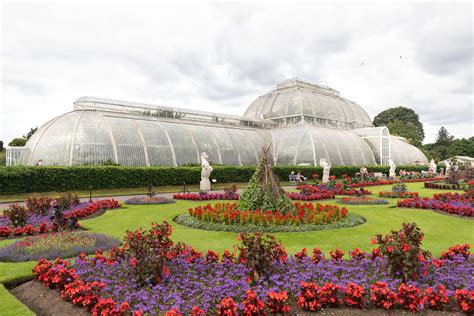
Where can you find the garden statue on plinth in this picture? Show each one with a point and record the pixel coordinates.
(326, 169)
(393, 167)
(448, 168)
(433, 166)
(205, 184)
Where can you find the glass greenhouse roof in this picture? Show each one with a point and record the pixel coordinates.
(304, 123)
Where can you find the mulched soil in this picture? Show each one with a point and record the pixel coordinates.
(47, 302)
(44, 301)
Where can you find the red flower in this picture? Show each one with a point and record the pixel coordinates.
(277, 302)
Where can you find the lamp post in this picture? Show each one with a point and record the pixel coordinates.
(90, 193)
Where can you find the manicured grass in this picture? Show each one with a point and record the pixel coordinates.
(10, 305)
(441, 231)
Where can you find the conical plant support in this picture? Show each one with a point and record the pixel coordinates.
(263, 191)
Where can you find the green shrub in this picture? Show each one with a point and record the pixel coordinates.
(26, 179)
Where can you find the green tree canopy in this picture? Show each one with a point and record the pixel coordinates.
(443, 137)
(30, 133)
(17, 142)
(446, 146)
(1, 145)
(408, 131)
(407, 119)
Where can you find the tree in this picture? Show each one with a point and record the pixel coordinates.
(407, 117)
(443, 137)
(1, 145)
(30, 133)
(17, 142)
(446, 146)
(408, 131)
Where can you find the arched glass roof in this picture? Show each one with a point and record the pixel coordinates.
(403, 153)
(298, 98)
(304, 122)
(306, 144)
(94, 137)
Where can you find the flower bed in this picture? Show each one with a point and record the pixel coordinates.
(304, 213)
(323, 195)
(391, 194)
(311, 193)
(196, 284)
(40, 224)
(441, 186)
(51, 246)
(205, 197)
(143, 200)
(351, 220)
(458, 204)
(384, 182)
(353, 192)
(361, 200)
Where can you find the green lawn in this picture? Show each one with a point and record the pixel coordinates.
(124, 191)
(441, 231)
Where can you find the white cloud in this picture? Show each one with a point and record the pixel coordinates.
(220, 57)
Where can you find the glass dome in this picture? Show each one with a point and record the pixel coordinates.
(318, 105)
(304, 122)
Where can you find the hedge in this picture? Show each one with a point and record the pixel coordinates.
(26, 179)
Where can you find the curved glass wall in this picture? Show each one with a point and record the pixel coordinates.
(307, 144)
(403, 153)
(93, 137)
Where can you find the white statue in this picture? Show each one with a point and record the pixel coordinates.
(393, 167)
(448, 168)
(205, 185)
(326, 169)
(433, 166)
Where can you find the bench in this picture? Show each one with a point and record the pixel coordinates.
(292, 178)
(380, 175)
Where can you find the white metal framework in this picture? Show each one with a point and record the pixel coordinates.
(303, 121)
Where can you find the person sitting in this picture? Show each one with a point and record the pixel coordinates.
(292, 177)
(300, 177)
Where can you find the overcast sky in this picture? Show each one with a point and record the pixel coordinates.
(220, 57)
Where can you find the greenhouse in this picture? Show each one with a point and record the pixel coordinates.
(304, 122)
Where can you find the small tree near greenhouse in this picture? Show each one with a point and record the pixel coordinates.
(263, 191)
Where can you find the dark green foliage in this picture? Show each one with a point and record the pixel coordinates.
(259, 252)
(408, 122)
(446, 146)
(17, 214)
(408, 131)
(23, 179)
(30, 133)
(17, 142)
(1, 146)
(403, 250)
(67, 200)
(263, 191)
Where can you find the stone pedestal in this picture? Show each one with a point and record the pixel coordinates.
(205, 185)
(325, 178)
